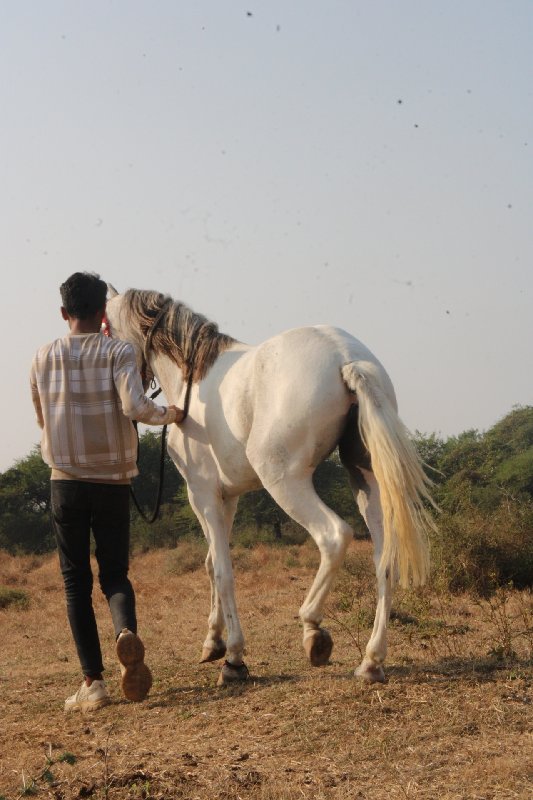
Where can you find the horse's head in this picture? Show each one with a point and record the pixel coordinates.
(114, 317)
(117, 324)
(135, 316)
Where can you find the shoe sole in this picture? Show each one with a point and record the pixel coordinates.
(136, 676)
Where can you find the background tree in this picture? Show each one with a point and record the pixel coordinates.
(483, 484)
(25, 506)
(146, 483)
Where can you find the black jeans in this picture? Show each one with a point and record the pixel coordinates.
(78, 507)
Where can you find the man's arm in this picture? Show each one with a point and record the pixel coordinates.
(135, 404)
(35, 398)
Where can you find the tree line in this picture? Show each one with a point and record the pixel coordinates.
(483, 484)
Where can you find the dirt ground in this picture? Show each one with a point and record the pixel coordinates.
(454, 720)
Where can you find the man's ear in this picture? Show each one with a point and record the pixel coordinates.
(64, 313)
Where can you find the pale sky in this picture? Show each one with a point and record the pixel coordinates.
(276, 164)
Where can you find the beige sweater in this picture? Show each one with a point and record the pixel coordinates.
(86, 390)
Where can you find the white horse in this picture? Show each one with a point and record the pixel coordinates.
(267, 416)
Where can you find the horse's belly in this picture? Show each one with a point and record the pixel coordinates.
(236, 473)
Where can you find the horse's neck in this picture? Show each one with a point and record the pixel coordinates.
(169, 377)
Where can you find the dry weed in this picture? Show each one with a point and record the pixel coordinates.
(453, 721)
(188, 556)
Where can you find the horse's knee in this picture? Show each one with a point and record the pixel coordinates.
(334, 547)
(345, 532)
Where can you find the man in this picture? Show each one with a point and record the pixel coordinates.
(86, 389)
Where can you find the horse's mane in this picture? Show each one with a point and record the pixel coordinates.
(189, 339)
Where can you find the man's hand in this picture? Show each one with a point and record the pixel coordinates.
(180, 414)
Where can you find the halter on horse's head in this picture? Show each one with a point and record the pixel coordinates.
(146, 373)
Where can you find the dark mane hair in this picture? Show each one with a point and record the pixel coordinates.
(189, 339)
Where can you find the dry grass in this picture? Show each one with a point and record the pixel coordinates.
(454, 720)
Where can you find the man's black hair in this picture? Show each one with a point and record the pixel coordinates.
(83, 294)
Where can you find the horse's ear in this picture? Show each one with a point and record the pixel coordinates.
(111, 291)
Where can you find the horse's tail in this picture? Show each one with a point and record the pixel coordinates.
(403, 484)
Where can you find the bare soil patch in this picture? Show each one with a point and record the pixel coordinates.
(453, 721)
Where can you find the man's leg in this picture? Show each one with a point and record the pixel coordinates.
(111, 528)
(71, 522)
(110, 521)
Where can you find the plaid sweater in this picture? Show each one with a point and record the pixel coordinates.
(86, 389)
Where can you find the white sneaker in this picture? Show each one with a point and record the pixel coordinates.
(88, 698)
(136, 677)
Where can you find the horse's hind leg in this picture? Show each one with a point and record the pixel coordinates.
(356, 460)
(366, 490)
(298, 498)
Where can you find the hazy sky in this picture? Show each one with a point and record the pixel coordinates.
(275, 164)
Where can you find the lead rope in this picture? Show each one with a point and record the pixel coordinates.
(155, 513)
(151, 518)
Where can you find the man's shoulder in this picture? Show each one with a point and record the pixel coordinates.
(120, 347)
(56, 346)
(122, 353)
(117, 349)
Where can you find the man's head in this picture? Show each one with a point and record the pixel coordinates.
(83, 295)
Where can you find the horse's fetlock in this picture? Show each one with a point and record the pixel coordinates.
(374, 656)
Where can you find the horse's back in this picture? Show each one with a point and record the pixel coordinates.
(306, 363)
(300, 401)
(282, 403)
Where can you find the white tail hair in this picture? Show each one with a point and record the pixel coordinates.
(403, 484)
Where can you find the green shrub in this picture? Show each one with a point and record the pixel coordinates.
(188, 556)
(241, 558)
(478, 552)
(13, 597)
(250, 536)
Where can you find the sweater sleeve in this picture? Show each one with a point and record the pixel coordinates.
(135, 404)
(35, 397)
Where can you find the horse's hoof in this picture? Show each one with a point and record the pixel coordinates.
(233, 673)
(318, 646)
(370, 672)
(214, 653)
